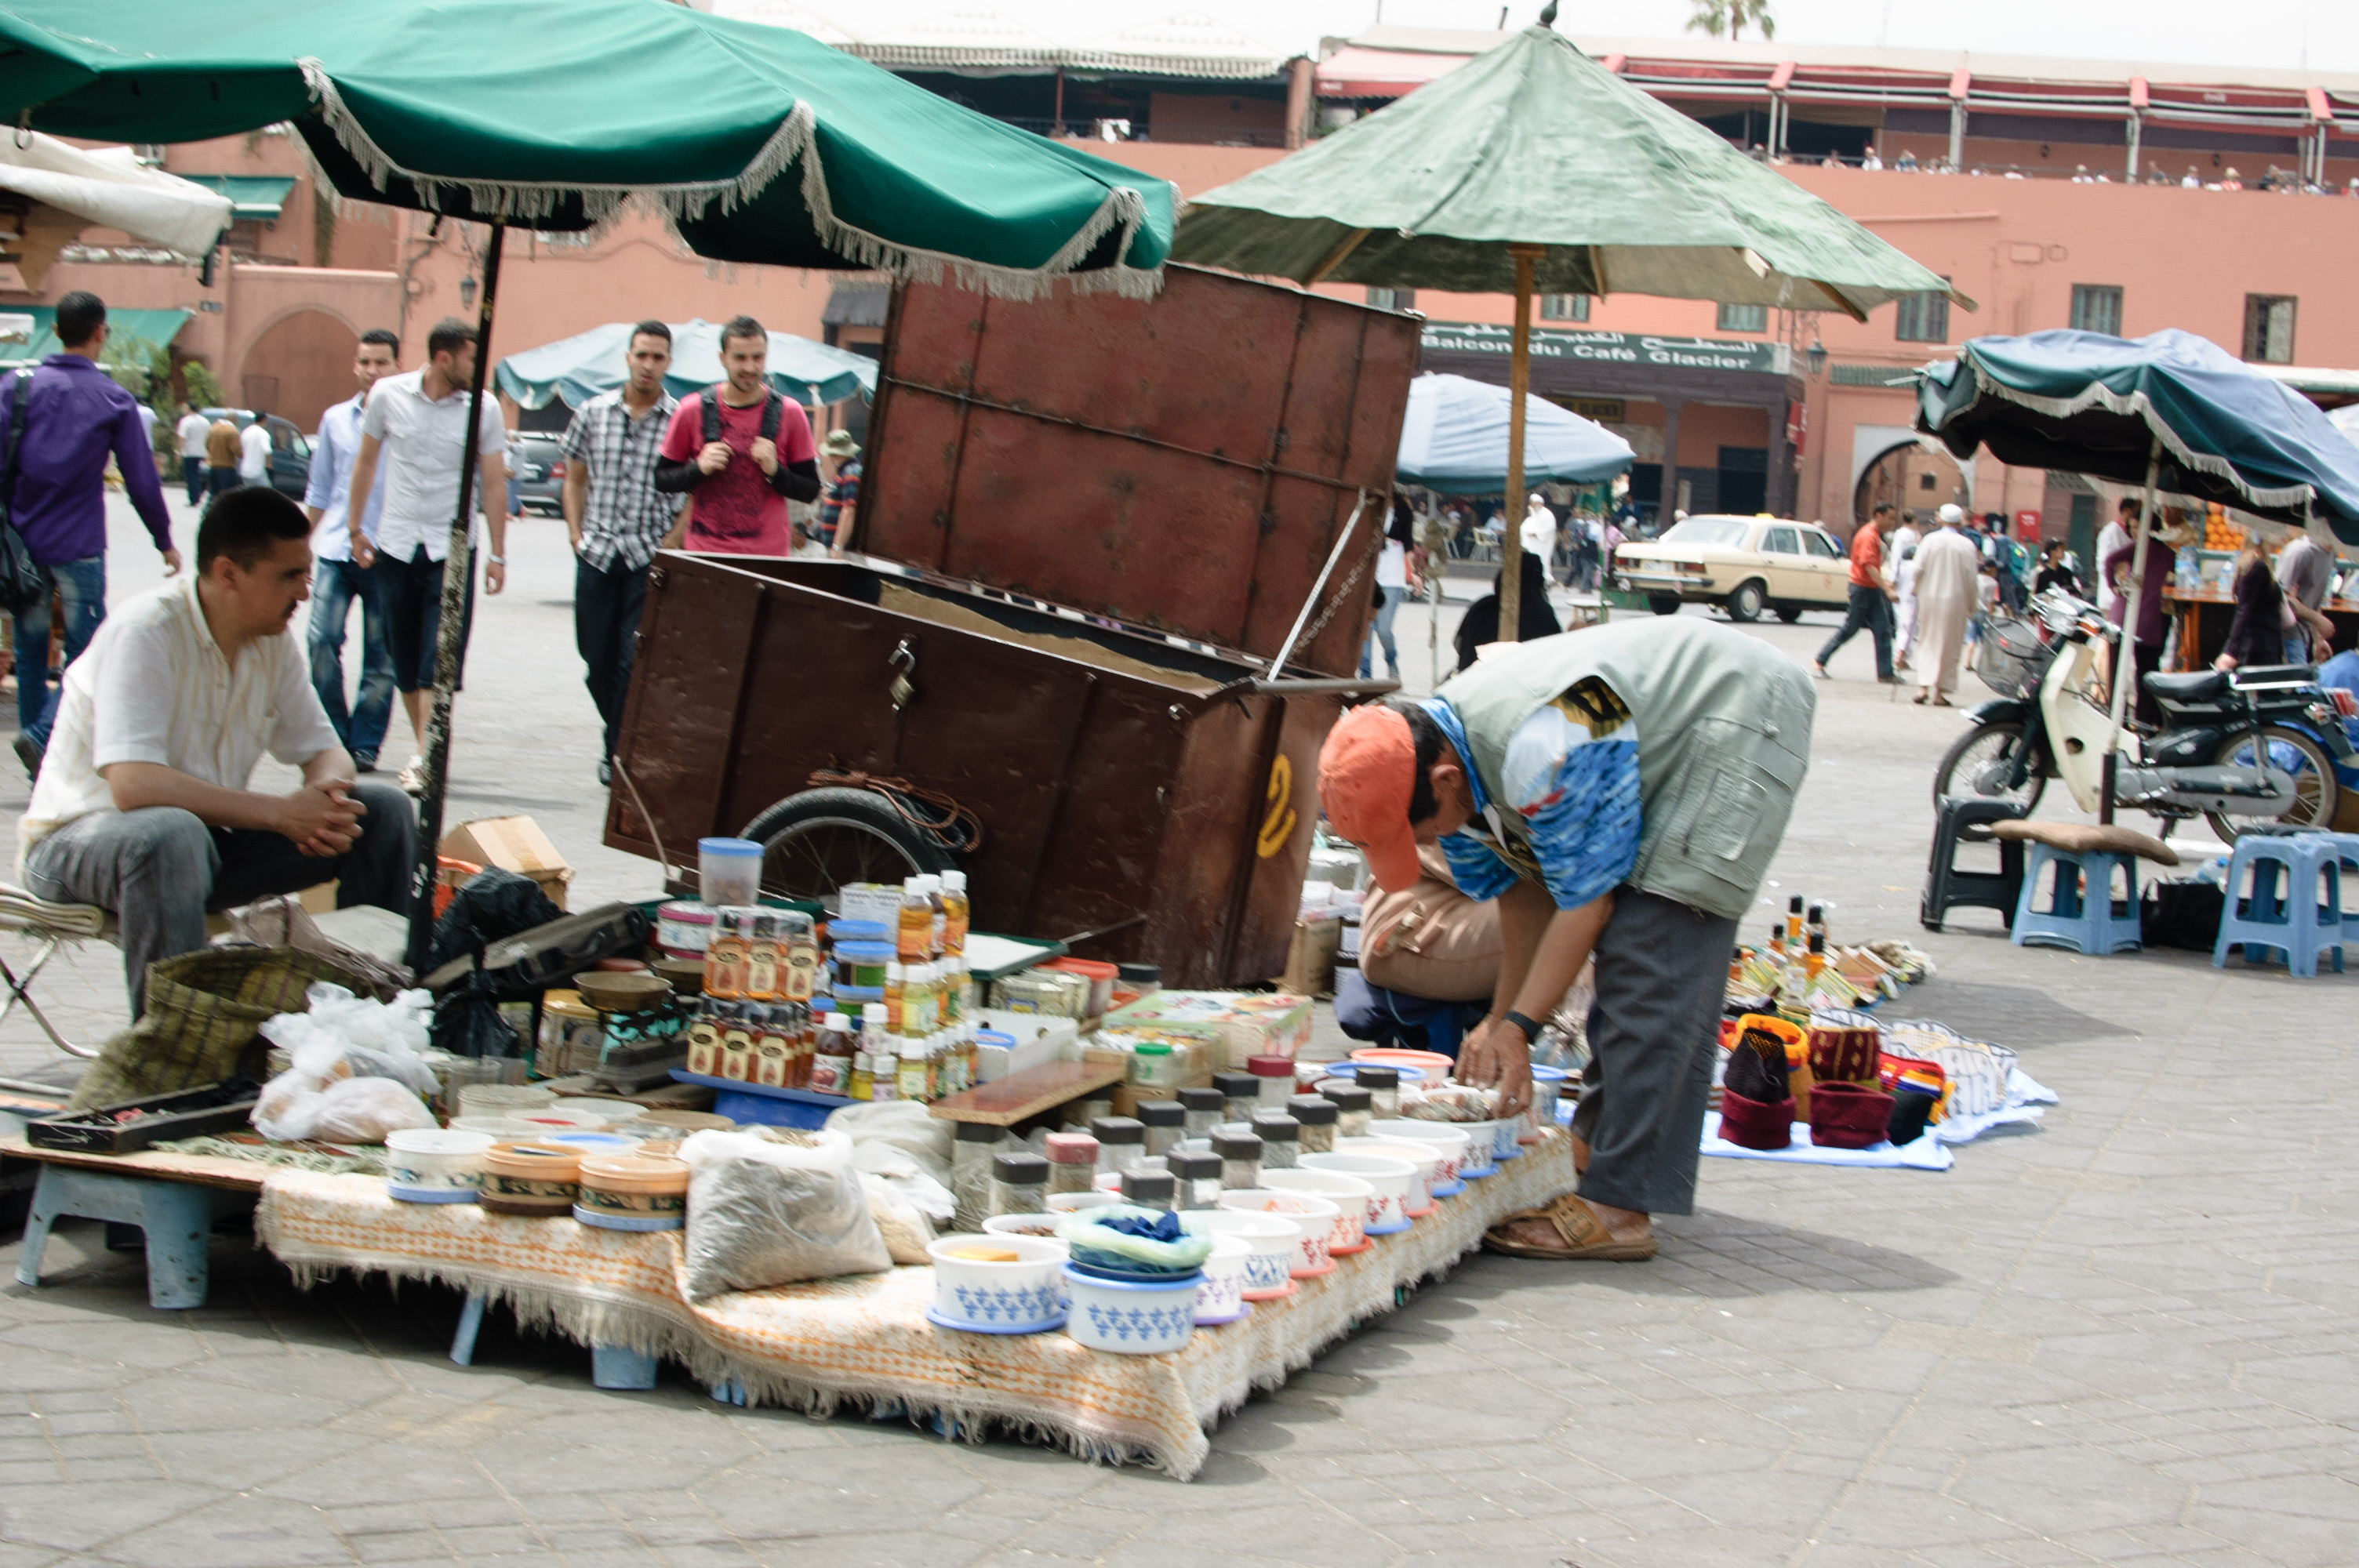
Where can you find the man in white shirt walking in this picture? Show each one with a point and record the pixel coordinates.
(415, 424)
(336, 579)
(1949, 577)
(2111, 539)
(253, 452)
(143, 807)
(191, 430)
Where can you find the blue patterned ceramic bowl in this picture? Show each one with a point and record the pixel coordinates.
(1131, 1320)
(994, 1295)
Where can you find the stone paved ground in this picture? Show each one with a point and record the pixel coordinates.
(2123, 1338)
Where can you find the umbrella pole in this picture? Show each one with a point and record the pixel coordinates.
(1520, 382)
(449, 637)
(2125, 671)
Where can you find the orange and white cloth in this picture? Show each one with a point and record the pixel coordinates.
(864, 1341)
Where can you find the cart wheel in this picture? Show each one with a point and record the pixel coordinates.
(816, 842)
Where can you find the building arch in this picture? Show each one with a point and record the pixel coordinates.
(299, 366)
(1885, 470)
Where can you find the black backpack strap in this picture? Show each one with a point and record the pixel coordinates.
(711, 405)
(20, 392)
(774, 412)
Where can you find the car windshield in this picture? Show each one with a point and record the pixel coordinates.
(1707, 531)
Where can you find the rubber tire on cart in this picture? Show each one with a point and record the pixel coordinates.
(1746, 601)
(1987, 744)
(816, 842)
(2315, 788)
(1663, 603)
(1788, 614)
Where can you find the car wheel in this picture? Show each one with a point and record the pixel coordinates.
(1788, 614)
(1663, 603)
(1747, 602)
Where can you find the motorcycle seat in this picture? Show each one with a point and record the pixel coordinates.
(2196, 685)
(2278, 675)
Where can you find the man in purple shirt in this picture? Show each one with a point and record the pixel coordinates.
(75, 418)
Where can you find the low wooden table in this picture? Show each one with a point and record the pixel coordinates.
(172, 1198)
(1006, 1101)
(2204, 616)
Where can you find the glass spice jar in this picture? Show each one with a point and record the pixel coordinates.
(1383, 1085)
(1239, 1096)
(1122, 1144)
(1072, 1162)
(1318, 1117)
(1166, 1124)
(1240, 1155)
(1199, 1179)
(1354, 1105)
(1203, 1109)
(1273, 1080)
(1148, 1189)
(1019, 1183)
(1281, 1139)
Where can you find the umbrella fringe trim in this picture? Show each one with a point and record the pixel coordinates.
(2137, 403)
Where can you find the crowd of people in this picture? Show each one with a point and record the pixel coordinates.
(2281, 181)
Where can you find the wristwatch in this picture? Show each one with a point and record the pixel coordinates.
(1530, 1026)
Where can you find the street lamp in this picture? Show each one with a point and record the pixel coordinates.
(1815, 358)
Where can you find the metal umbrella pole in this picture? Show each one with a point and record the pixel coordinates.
(449, 636)
(1520, 382)
(2125, 671)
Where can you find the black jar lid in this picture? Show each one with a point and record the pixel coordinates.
(1275, 1126)
(1117, 1130)
(1194, 1167)
(1162, 1113)
(1202, 1099)
(1236, 1145)
(1313, 1110)
(1019, 1170)
(1346, 1095)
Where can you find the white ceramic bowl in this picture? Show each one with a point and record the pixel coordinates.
(1002, 1296)
(1219, 1294)
(1313, 1217)
(1389, 1184)
(432, 1165)
(501, 1129)
(1066, 1203)
(1352, 1199)
(1040, 1226)
(1482, 1146)
(1424, 1159)
(1275, 1241)
(1131, 1319)
(1449, 1138)
(503, 1099)
(610, 1111)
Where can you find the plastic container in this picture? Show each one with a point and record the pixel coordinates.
(728, 871)
(1072, 1162)
(1066, 1202)
(1273, 1080)
(503, 1099)
(1019, 1183)
(1153, 1066)
(1122, 1144)
(1131, 1318)
(1312, 1217)
(1319, 1117)
(1040, 1226)
(860, 969)
(1354, 1105)
(1482, 1149)
(537, 1181)
(432, 1165)
(1203, 1109)
(1240, 1095)
(1220, 1292)
(1197, 1179)
(633, 1192)
(1431, 1064)
(1274, 1242)
(684, 927)
(1450, 1139)
(1423, 1159)
(1166, 1124)
(1099, 976)
(1240, 1157)
(986, 1296)
(1351, 1196)
(1547, 1091)
(1281, 1139)
(1392, 1185)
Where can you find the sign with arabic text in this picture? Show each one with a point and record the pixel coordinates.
(1636, 348)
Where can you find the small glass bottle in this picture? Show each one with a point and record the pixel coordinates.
(1240, 1154)
(911, 1082)
(913, 929)
(1019, 1183)
(896, 996)
(799, 944)
(1273, 1080)
(765, 957)
(724, 957)
(1166, 1124)
(831, 1071)
(1318, 1118)
(1281, 1139)
(1072, 1162)
(1148, 1189)
(864, 1076)
(736, 1044)
(1352, 1105)
(940, 926)
(1383, 1085)
(1204, 1108)
(1121, 1142)
(973, 1146)
(1199, 1179)
(885, 1073)
(956, 912)
(1241, 1094)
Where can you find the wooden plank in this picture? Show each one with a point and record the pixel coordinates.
(195, 1170)
(1008, 1100)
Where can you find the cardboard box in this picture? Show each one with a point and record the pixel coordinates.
(1240, 1023)
(1311, 959)
(513, 844)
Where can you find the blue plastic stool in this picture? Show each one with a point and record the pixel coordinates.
(177, 1218)
(2285, 896)
(614, 1367)
(2083, 914)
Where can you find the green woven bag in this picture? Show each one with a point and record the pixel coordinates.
(203, 1012)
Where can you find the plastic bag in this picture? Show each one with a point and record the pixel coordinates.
(766, 1211)
(905, 1227)
(902, 1124)
(349, 1110)
(882, 1163)
(357, 1072)
(1143, 1243)
(493, 904)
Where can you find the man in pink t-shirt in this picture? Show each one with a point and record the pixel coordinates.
(743, 459)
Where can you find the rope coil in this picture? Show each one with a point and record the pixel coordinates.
(931, 812)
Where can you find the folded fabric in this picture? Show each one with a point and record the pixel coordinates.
(1911, 1108)
(1848, 1115)
(1755, 1124)
(1755, 1076)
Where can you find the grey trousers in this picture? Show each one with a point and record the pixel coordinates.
(1662, 972)
(161, 870)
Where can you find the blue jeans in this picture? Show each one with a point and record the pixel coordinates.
(81, 590)
(193, 474)
(334, 586)
(1382, 631)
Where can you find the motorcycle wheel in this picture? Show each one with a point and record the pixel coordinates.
(1983, 750)
(2314, 786)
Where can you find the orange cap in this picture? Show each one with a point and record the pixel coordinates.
(1366, 773)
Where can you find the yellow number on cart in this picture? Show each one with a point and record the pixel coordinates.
(1278, 826)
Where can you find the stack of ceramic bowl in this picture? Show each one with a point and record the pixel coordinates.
(1451, 1141)
(1429, 1064)
(1221, 1291)
(1313, 1217)
(996, 1284)
(1273, 1242)
(1390, 1184)
(1423, 1159)
(632, 1191)
(432, 1165)
(1143, 1314)
(503, 1099)
(1352, 1199)
(533, 1180)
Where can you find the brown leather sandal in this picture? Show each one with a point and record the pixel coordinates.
(1584, 1232)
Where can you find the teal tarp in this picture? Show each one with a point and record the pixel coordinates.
(574, 370)
(154, 328)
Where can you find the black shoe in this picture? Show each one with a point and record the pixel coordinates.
(29, 752)
(365, 762)
(605, 771)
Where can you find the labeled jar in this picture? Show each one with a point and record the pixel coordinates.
(799, 953)
(1202, 1110)
(1072, 1162)
(684, 928)
(1122, 1144)
(831, 1066)
(765, 957)
(724, 960)
(916, 1074)
(1240, 1095)
(1383, 1085)
(1240, 1156)
(1153, 1066)
(1273, 1080)
(1165, 1123)
(736, 1043)
(1354, 1105)
(1318, 1118)
(1281, 1139)
(1019, 1183)
(860, 970)
(1148, 1189)
(956, 912)
(1197, 1180)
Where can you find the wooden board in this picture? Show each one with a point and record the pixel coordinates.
(195, 1170)
(1008, 1100)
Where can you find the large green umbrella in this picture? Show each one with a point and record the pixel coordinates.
(761, 144)
(1532, 167)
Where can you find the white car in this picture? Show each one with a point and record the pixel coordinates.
(1745, 565)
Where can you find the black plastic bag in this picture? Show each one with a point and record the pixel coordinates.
(491, 905)
(2181, 914)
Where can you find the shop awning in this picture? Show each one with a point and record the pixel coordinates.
(155, 328)
(250, 195)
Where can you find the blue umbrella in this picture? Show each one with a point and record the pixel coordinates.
(578, 368)
(2169, 410)
(1454, 439)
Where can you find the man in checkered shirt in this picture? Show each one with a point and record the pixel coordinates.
(618, 520)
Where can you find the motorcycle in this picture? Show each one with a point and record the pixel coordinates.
(2239, 747)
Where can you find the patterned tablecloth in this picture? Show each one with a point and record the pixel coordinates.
(864, 1341)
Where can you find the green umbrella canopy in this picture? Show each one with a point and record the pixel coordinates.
(762, 144)
(1534, 143)
(576, 369)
